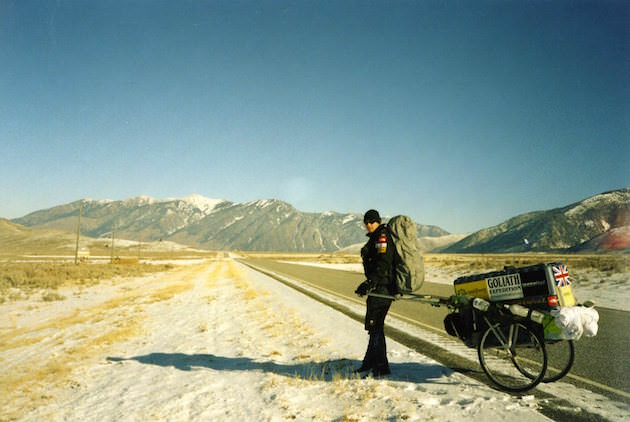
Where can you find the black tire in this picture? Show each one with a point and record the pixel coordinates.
(513, 356)
(560, 357)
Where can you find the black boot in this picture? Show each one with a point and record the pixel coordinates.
(362, 368)
(381, 371)
(369, 358)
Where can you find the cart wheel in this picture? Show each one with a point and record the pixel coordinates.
(560, 356)
(512, 356)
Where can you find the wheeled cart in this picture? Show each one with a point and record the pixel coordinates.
(508, 316)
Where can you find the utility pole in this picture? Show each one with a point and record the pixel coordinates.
(76, 251)
(113, 230)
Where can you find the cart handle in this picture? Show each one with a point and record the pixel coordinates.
(437, 301)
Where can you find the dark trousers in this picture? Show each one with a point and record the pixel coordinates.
(376, 354)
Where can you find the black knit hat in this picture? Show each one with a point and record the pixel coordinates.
(371, 216)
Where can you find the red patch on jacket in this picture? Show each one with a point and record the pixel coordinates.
(381, 244)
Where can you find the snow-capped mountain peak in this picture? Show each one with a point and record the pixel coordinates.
(206, 205)
(141, 200)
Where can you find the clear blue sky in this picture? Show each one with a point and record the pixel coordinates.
(459, 113)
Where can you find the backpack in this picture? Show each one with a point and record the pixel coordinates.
(408, 260)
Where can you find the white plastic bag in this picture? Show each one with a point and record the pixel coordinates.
(576, 321)
(590, 317)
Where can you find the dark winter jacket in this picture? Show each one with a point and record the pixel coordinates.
(378, 260)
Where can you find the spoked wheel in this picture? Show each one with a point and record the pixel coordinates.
(560, 356)
(512, 356)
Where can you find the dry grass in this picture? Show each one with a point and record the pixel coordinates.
(30, 382)
(167, 293)
(238, 276)
(123, 330)
(19, 242)
(330, 258)
(48, 352)
(471, 263)
(18, 280)
(52, 296)
(73, 339)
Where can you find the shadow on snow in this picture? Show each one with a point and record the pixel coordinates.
(322, 371)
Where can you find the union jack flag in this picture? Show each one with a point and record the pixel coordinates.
(561, 274)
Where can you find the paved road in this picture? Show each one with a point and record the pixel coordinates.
(601, 360)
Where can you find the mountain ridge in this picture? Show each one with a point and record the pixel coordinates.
(197, 221)
(559, 229)
(594, 224)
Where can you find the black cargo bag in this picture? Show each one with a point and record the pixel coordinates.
(461, 324)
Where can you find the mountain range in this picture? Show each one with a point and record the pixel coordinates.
(597, 223)
(263, 225)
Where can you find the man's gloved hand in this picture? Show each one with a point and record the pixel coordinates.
(364, 288)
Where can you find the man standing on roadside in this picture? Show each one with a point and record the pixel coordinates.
(378, 265)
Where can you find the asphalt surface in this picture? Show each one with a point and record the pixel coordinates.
(601, 362)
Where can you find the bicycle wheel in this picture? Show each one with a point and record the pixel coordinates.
(560, 356)
(512, 356)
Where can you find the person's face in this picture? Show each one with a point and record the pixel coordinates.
(371, 226)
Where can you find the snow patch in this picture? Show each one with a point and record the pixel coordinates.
(98, 201)
(261, 203)
(618, 197)
(234, 220)
(206, 205)
(348, 218)
(141, 200)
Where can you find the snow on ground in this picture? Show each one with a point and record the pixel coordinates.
(344, 267)
(609, 290)
(580, 399)
(217, 341)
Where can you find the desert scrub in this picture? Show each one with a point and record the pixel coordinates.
(52, 296)
(29, 277)
(466, 264)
